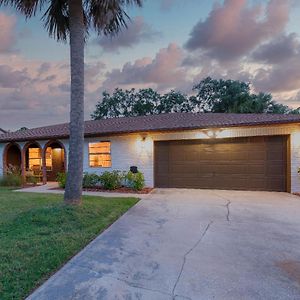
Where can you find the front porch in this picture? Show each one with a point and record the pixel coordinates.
(37, 164)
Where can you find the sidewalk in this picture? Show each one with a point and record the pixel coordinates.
(49, 188)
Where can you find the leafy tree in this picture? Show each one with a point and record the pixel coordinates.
(233, 96)
(145, 102)
(173, 102)
(71, 20)
(125, 103)
(218, 96)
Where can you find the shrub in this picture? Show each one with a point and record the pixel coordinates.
(90, 180)
(13, 170)
(11, 180)
(135, 181)
(61, 178)
(12, 177)
(31, 179)
(111, 180)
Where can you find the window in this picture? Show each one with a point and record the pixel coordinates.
(99, 154)
(34, 158)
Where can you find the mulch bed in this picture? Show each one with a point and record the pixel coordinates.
(124, 190)
(296, 194)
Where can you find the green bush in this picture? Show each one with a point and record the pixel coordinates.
(135, 181)
(61, 178)
(111, 180)
(12, 177)
(31, 179)
(90, 180)
(11, 180)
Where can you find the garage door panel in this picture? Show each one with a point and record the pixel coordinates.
(275, 155)
(275, 168)
(230, 170)
(255, 163)
(235, 182)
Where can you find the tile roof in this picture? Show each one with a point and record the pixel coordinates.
(163, 122)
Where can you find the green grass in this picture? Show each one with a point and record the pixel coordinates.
(38, 234)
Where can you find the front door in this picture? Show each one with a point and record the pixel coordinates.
(58, 165)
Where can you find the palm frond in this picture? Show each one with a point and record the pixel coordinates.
(105, 16)
(56, 19)
(108, 16)
(26, 7)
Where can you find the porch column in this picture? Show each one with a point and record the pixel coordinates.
(23, 164)
(44, 168)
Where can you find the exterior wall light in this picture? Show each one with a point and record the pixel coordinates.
(144, 144)
(211, 134)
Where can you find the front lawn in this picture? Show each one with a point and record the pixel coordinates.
(38, 234)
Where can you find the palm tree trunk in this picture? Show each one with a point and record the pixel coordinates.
(73, 191)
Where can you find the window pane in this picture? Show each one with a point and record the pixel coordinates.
(35, 158)
(99, 154)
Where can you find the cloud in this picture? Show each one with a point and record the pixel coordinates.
(234, 29)
(35, 93)
(138, 31)
(163, 71)
(7, 33)
(12, 79)
(279, 78)
(278, 50)
(279, 71)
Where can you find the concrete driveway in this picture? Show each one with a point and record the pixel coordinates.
(191, 244)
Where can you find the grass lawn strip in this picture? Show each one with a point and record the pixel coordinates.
(38, 234)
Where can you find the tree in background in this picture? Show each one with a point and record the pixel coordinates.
(233, 96)
(217, 96)
(126, 103)
(173, 102)
(70, 20)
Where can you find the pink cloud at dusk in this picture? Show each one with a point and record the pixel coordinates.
(7, 32)
(234, 29)
(236, 39)
(164, 71)
(38, 91)
(138, 31)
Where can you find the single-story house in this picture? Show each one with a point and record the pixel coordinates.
(178, 150)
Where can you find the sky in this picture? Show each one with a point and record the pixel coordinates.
(169, 44)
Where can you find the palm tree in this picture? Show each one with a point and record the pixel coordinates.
(71, 20)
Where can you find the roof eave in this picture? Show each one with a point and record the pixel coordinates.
(111, 133)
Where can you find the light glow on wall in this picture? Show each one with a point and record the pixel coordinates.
(212, 133)
(296, 139)
(144, 145)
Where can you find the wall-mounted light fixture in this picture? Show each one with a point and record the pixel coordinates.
(144, 144)
(211, 134)
(214, 133)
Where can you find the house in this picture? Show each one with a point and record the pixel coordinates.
(179, 150)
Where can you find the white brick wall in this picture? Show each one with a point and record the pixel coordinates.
(295, 160)
(128, 150)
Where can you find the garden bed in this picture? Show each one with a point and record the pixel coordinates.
(124, 190)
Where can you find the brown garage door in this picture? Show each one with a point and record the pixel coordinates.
(254, 163)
